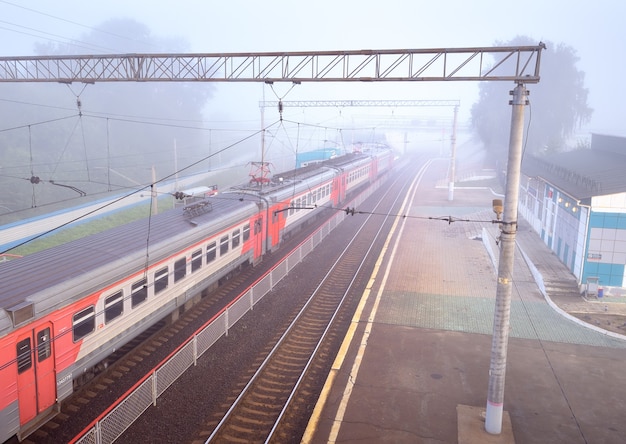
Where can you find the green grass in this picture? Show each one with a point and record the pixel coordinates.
(225, 178)
(104, 223)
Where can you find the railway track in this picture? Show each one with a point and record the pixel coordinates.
(283, 389)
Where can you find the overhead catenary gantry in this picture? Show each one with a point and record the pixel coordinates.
(519, 64)
(380, 103)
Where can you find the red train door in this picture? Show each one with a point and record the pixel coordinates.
(342, 187)
(36, 379)
(339, 189)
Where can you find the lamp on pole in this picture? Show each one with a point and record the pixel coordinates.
(502, 315)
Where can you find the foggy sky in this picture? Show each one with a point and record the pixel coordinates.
(594, 29)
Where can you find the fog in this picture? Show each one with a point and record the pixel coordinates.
(121, 131)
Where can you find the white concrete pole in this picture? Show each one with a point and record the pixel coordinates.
(502, 315)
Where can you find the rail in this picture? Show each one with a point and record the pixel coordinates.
(265, 401)
(112, 423)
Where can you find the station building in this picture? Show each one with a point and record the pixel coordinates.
(576, 202)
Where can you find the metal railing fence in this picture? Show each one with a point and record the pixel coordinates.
(111, 424)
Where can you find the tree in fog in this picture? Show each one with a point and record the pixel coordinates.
(125, 126)
(558, 104)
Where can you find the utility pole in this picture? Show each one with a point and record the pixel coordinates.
(508, 227)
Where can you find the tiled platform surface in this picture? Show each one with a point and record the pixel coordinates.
(415, 369)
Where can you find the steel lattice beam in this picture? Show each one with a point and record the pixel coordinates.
(515, 63)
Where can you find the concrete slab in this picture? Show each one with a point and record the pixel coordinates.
(471, 427)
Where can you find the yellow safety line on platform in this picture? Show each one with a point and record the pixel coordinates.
(338, 363)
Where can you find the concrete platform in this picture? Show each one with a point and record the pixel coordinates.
(414, 365)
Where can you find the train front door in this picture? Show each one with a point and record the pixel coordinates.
(36, 379)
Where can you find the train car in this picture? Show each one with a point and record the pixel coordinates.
(66, 309)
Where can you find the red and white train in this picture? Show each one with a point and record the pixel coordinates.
(65, 309)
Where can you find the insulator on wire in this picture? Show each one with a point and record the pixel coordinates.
(35, 179)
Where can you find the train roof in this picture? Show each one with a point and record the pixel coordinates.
(325, 168)
(45, 277)
(30, 275)
(336, 162)
(67, 261)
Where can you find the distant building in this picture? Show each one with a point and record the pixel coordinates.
(576, 202)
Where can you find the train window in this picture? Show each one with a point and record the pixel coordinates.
(180, 269)
(235, 238)
(291, 209)
(246, 232)
(24, 355)
(196, 260)
(83, 323)
(138, 293)
(223, 245)
(211, 250)
(113, 306)
(43, 344)
(160, 280)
